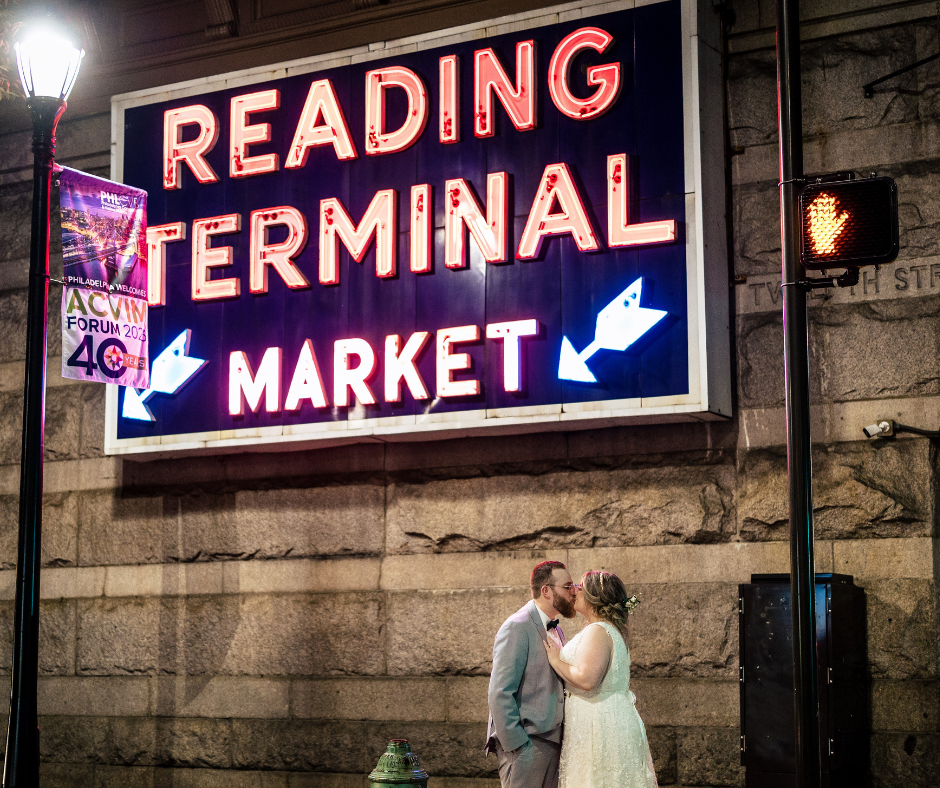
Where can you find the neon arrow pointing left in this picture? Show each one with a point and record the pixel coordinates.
(619, 324)
(171, 370)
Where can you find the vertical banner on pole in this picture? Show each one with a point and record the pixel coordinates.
(104, 301)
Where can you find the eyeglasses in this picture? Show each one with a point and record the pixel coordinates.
(569, 587)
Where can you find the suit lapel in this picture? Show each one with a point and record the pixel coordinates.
(537, 620)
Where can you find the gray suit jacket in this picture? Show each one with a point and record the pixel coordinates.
(526, 697)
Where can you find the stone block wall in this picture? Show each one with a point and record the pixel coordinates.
(872, 346)
(270, 621)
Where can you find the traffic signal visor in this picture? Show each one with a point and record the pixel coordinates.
(849, 224)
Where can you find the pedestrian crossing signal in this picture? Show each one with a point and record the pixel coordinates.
(849, 223)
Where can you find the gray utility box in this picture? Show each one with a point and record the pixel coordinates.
(766, 676)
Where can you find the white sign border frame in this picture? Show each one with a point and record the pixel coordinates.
(709, 396)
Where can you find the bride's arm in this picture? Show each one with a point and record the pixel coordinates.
(592, 660)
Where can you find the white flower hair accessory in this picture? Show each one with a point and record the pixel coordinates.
(631, 603)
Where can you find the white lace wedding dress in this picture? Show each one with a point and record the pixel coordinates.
(604, 744)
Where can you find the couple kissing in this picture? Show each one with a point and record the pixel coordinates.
(562, 714)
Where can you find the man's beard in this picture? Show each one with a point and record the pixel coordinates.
(563, 605)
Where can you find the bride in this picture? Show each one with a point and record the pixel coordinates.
(604, 744)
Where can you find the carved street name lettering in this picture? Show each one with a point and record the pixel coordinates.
(895, 282)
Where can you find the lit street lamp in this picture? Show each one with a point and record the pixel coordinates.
(48, 63)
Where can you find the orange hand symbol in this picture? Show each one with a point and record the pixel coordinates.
(825, 223)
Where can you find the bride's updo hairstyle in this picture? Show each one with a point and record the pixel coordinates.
(605, 592)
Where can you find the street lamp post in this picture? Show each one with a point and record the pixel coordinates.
(48, 65)
(796, 376)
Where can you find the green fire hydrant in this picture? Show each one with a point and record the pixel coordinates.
(398, 766)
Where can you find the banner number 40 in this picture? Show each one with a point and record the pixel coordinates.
(110, 357)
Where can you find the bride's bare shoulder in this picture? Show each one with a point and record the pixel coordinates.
(596, 634)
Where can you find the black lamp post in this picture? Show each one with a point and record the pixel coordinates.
(48, 65)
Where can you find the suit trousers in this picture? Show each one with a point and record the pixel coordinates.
(533, 765)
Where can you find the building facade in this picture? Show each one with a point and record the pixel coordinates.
(272, 618)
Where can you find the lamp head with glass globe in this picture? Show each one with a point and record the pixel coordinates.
(48, 63)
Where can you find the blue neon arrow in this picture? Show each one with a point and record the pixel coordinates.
(619, 324)
(170, 371)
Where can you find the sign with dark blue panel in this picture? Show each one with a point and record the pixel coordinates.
(511, 233)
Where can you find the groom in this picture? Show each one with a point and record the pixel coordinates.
(526, 697)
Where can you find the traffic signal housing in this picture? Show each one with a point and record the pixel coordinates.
(848, 223)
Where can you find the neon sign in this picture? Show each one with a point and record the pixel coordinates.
(419, 242)
(619, 324)
(171, 370)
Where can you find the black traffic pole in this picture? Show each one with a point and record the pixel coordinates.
(796, 365)
(21, 765)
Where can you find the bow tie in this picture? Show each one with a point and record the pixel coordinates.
(551, 624)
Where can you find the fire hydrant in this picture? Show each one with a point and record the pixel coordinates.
(398, 766)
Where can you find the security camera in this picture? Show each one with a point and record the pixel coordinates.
(880, 429)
